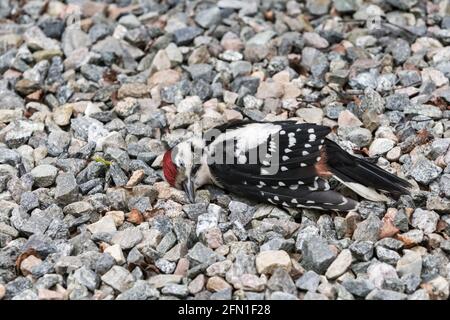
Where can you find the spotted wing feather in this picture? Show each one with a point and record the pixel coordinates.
(295, 149)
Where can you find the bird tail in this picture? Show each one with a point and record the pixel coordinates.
(362, 176)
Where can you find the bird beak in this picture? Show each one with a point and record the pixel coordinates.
(188, 187)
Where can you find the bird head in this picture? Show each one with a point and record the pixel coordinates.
(180, 165)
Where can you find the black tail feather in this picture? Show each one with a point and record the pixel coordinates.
(352, 169)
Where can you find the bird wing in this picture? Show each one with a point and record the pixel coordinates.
(275, 162)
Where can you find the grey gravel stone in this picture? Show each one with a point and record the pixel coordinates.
(400, 50)
(368, 230)
(141, 290)
(309, 281)
(425, 220)
(362, 250)
(78, 208)
(200, 254)
(184, 36)
(281, 281)
(127, 238)
(104, 263)
(386, 255)
(177, 290)
(318, 7)
(17, 286)
(87, 278)
(382, 294)
(424, 171)
(44, 175)
(410, 263)
(66, 188)
(119, 278)
(317, 255)
(358, 287)
(208, 17)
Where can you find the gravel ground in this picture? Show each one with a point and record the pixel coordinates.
(91, 94)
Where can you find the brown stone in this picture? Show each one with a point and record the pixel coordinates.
(135, 90)
(182, 267)
(28, 264)
(114, 11)
(90, 8)
(199, 55)
(135, 178)
(134, 216)
(411, 238)
(268, 261)
(164, 78)
(232, 115)
(45, 294)
(351, 221)
(214, 238)
(231, 42)
(35, 96)
(197, 285)
(251, 282)
(2, 291)
(388, 229)
(26, 86)
(118, 217)
(270, 90)
(348, 119)
(216, 284)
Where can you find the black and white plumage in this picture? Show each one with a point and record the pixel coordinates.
(291, 168)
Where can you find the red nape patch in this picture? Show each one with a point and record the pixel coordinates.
(169, 168)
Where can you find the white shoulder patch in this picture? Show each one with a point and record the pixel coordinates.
(247, 137)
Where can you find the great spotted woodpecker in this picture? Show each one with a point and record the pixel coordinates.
(284, 163)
